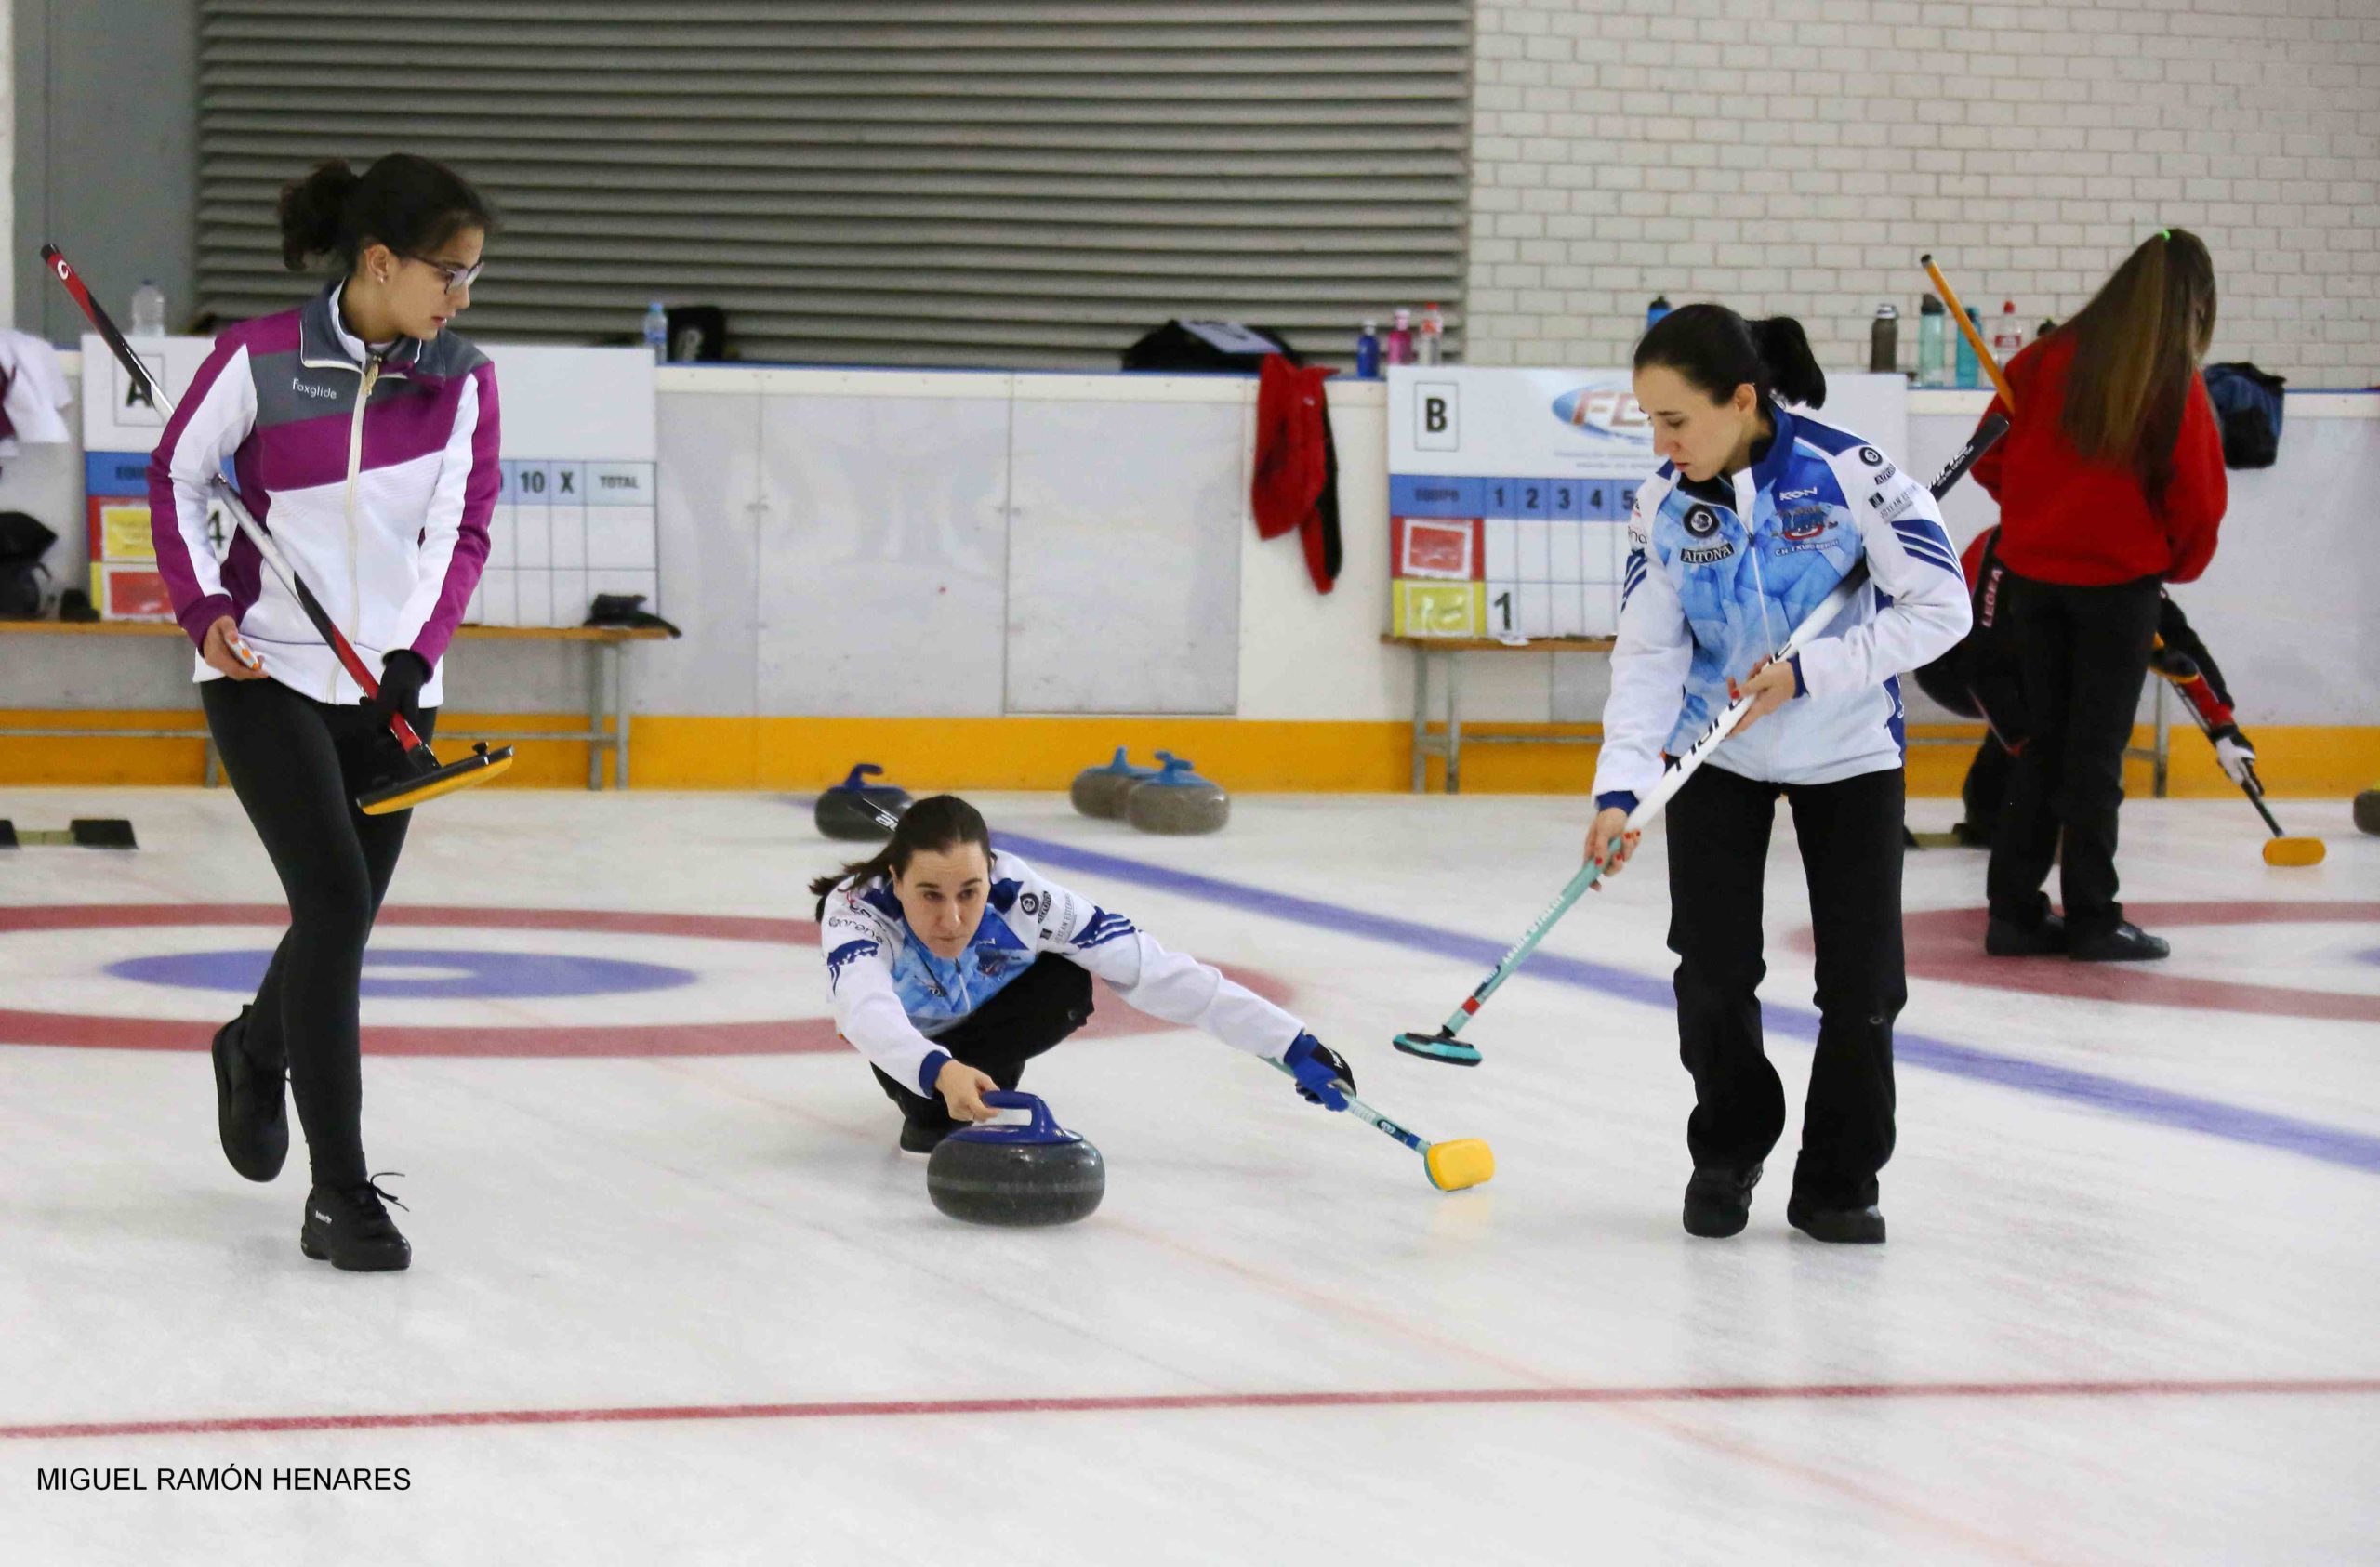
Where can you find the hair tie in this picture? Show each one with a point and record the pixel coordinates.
(2165, 234)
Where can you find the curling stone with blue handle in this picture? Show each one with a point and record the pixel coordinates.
(1013, 1175)
(843, 812)
(1100, 791)
(1177, 800)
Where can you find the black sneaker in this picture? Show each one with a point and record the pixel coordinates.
(2126, 943)
(347, 1227)
(2006, 938)
(1718, 1203)
(922, 1136)
(1855, 1226)
(251, 1115)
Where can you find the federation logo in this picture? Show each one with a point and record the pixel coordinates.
(1609, 413)
(1872, 457)
(1701, 522)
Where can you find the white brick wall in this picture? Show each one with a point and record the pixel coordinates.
(1797, 156)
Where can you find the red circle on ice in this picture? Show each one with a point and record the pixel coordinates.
(1948, 945)
(772, 1037)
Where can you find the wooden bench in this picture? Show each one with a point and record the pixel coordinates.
(607, 695)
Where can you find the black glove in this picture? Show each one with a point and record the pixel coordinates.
(402, 674)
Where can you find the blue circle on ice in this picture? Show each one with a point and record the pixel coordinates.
(447, 974)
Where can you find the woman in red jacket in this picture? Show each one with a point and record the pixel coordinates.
(2110, 485)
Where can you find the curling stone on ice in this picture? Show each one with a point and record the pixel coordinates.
(1177, 800)
(843, 812)
(1038, 1173)
(2367, 811)
(1100, 791)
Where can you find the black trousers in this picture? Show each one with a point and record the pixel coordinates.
(1851, 854)
(1038, 1008)
(2083, 654)
(298, 765)
(1985, 789)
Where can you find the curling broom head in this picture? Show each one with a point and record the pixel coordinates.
(1461, 1163)
(1438, 1046)
(2294, 852)
(481, 767)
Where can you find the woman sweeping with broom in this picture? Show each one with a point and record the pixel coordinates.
(365, 434)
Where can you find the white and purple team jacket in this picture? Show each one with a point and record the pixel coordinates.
(892, 996)
(375, 474)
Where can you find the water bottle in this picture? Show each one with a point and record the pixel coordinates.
(657, 332)
(148, 311)
(1397, 348)
(1884, 340)
(1656, 310)
(2008, 340)
(1433, 332)
(1970, 368)
(1367, 353)
(1933, 348)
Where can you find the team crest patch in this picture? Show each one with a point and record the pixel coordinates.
(1872, 457)
(1701, 522)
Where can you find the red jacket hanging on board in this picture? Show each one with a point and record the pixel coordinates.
(1297, 468)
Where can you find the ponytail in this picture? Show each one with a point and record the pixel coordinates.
(314, 212)
(933, 825)
(411, 205)
(1793, 369)
(1716, 350)
(2138, 344)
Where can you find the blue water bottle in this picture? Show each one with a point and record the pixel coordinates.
(657, 332)
(1367, 353)
(1970, 368)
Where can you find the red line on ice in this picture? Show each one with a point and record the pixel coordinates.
(1169, 1403)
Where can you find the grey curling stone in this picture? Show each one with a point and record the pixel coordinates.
(1100, 791)
(843, 812)
(2367, 812)
(1177, 800)
(1016, 1176)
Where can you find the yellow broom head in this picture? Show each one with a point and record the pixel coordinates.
(2294, 852)
(1464, 1162)
(481, 767)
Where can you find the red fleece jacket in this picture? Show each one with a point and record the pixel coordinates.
(2088, 523)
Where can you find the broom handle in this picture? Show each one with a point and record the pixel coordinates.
(1967, 328)
(266, 544)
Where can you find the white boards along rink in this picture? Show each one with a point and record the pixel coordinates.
(897, 543)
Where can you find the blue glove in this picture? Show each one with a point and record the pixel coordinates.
(1324, 1078)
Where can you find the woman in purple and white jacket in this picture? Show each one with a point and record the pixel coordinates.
(363, 434)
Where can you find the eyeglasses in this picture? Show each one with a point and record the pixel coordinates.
(458, 278)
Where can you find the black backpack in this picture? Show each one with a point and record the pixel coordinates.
(1179, 345)
(23, 541)
(2247, 404)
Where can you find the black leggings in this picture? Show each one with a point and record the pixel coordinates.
(1040, 1006)
(298, 765)
(1851, 854)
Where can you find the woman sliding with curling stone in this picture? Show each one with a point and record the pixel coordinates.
(954, 964)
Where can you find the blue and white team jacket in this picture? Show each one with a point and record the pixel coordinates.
(892, 996)
(1707, 595)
